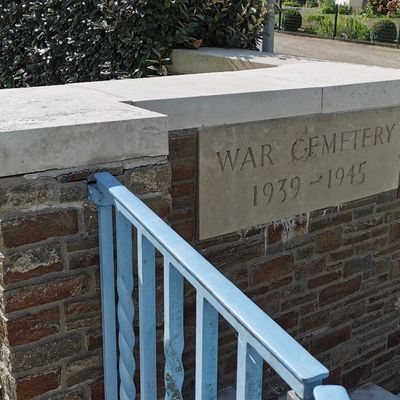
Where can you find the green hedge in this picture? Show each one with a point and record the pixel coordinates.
(59, 41)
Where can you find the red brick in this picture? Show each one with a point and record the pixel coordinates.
(83, 260)
(394, 339)
(331, 220)
(275, 233)
(273, 269)
(160, 206)
(34, 295)
(186, 230)
(314, 321)
(184, 189)
(329, 240)
(182, 147)
(356, 376)
(182, 170)
(324, 279)
(31, 263)
(287, 230)
(43, 354)
(394, 234)
(288, 320)
(330, 339)
(30, 328)
(94, 340)
(37, 227)
(338, 291)
(35, 385)
(309, 268)
(97, 391)
(83, 313)
(335, 377)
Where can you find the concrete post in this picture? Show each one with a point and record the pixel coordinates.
(268, 31)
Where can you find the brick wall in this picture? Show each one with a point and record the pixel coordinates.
(51, 319)
(331, 278)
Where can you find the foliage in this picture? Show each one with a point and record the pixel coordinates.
(291, 3)
(325, 27)
(344, 9)
(353, 28)
(348, 27)
(227, 23)
(384, 31)
(328, 7)
(312, 3)
(393, 7)
(379, 7)
(59, 41)
(291, 20)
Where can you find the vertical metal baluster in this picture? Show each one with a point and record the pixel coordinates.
(147, 318)
(249, 372)
(126, 336)
(173, 332)
(106, 243)
(206, 350)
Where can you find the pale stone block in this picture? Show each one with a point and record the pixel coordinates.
(255, 173)
(65, 127)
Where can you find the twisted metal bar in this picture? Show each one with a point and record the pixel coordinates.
(126, 336)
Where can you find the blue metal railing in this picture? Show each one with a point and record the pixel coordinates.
(259, 337)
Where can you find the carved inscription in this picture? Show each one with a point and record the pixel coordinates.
(255, 173)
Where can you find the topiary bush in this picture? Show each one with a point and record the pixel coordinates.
(47, 42)
(291, 20)
(384, 31)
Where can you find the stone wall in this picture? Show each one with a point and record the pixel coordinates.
(331, 278)
(51, 318)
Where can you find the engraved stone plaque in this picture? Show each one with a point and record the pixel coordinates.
(254, 173)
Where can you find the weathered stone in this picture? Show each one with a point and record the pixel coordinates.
(311, 162)
(35, 385)
(43, 293)
(25, 195)
(33, 228)
(43, 354)
(356, 265)
(331, 338)
(73, 192)
(150, 179)
(84, 369)
(31, 263)
(338, 291)
(272, 269)
(329, 240)
(32, 327)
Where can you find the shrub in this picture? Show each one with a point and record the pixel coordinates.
(291, 20)
(290, 3)
(378, 7)
(354, 28)
(59, 41)
(226, 23)
(325, 27)
(393, 7)
(384, 31)
(315, 18)
(344, 9)
(327, 9)
(312, 3)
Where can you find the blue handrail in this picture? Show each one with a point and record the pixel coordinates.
(260, 338)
